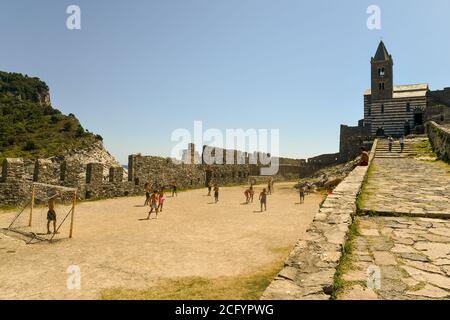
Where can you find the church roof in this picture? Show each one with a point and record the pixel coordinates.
(382, 54)
(407, 91)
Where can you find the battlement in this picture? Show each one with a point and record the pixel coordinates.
(94, 180)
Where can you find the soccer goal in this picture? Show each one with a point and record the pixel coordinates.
(47, 214)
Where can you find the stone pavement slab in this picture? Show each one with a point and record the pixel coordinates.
(409, 187)
(414, 269)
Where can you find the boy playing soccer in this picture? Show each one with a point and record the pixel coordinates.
(147, 194)
(216, 193)
(263, 200)
(174, 190)
(209, 188)
(153, 204)
(161, 199)
(51, 215)
(301, 192)
(247, 196)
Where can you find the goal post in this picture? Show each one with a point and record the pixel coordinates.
(46, 214)
(72, 215)
(33, 189)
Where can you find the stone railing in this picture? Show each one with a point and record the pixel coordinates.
(440, 139)
(309, 270)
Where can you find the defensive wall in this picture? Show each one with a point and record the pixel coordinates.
(214, 165)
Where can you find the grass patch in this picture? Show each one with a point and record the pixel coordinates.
(242, 287)
(424, 149)
(324, 198)
(362, 200)
(345, 264)
(6, 208)
(282, 251)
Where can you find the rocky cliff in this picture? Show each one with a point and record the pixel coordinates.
(30, 128)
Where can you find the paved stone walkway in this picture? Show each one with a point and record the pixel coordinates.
(403, 252)
(409, 187)
(399, 258)
(311, 266)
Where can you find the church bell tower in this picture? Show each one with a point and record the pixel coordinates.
(382, 76)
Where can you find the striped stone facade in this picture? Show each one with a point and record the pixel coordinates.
(393, 114)
(388, 109)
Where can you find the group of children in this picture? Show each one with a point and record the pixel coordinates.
(401, 141)
(249, 194)
(155, 199)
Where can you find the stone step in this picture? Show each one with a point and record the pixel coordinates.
(394, 146)
(395, 150)
(390, 157)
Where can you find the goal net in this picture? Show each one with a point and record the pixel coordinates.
(47, 214)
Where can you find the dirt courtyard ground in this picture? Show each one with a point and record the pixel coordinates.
(115, 248)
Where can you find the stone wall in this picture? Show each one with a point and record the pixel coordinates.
(310, 166)
(95, 181)
(18, 176)
(164, 171)
(352, 139)
(47, 171)
(311, 266)
(440, 139)
(438, 109)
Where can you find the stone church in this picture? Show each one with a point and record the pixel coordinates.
(393, 109)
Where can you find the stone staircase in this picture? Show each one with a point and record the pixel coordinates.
(383, 149)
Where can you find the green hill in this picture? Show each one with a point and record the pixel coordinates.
(30, 127)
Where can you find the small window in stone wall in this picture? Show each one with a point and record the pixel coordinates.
(136, 181)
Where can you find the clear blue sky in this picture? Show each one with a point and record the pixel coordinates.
(139, 69)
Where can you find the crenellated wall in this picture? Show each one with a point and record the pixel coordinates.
(229, 167)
